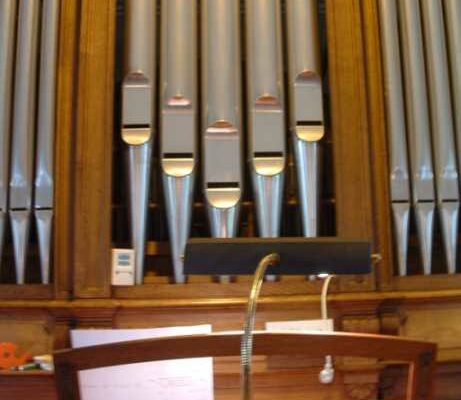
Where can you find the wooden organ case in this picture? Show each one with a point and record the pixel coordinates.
(90, 208)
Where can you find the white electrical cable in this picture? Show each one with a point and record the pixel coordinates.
(323, 298)
(327, 374)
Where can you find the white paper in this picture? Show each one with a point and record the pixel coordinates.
(190, 379)
(322, 325)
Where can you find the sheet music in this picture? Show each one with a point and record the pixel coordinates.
(190, 379)
(322, 325)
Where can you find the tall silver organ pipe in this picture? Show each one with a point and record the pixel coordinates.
(446, 173)
(417, 110)
(396, 129)
(453, 29)
(44, 159)
(179, 120)
(22, 146)
(138, 98)
(266, 113)
(306, 104)
(7, 35)
(221, 115)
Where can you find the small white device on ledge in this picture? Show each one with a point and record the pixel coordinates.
(123, 267)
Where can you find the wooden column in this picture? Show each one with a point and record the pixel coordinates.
(349, 112)
(65, 135)
(93, 144)
(350, 126)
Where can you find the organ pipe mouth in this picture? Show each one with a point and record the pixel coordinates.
(178, 165)
(223, 194)
(268, 163)
(311, 131)
(136, 134)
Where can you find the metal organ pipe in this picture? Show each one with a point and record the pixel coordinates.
(7, 35)
(418, 125)
(453, 29)
(221, 115)
(266, 112)
(396, 129)
(179, 121)
(306, 104)
(44, 159)
(446, 174)
(138, 98)
(22, 147)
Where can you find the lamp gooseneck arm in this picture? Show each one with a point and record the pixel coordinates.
(246, 348)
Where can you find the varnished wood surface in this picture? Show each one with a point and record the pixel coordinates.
(26, 292)
(297, 384)
(420, 355)
(349, 119)
(65, 139)
(264, 343)
(93, 163)
(377, 134)
(346, 299)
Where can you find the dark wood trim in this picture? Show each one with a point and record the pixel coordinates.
(93, 190)
(345, 301)
(421, 282)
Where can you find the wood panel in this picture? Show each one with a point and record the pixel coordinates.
(350, 127)
(92, 214)
(65, 135)
(303, 384)
(349, 119)
(30, 291)
(297, 385)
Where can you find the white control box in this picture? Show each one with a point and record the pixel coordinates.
(123, 267)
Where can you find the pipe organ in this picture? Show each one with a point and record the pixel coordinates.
(222, 121)
(222, 72)
(28, 54)
(419, 51)
(140, 123)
